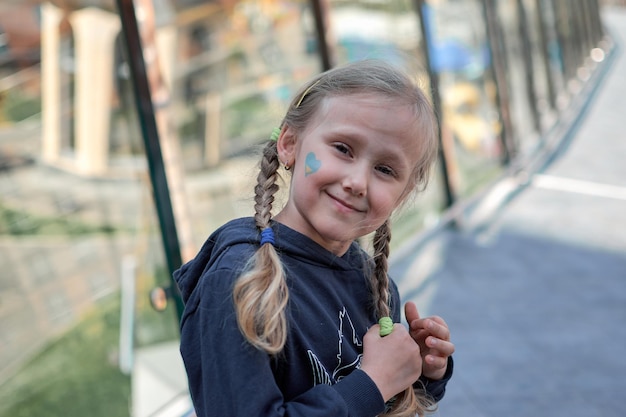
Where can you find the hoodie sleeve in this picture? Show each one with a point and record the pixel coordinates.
(436, 389)
(228, 377)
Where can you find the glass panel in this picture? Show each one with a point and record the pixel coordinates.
(236, 69)
(567, 32)
(542, 75)
(75, 209)
(517, 58)
(527, 46)
(470, 122)
(553, 50)
(386, 30)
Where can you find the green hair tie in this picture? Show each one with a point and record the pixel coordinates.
(275, 134)
(386, 326)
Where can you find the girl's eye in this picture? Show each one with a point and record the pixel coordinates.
(385, 170)
(342, 148)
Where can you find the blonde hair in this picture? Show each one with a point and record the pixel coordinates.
(261, 294)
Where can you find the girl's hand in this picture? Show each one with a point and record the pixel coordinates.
(393, 362)
(433, 337)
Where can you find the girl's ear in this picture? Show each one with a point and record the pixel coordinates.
(286, 146)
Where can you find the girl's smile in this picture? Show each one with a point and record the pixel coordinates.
(351, 168)
(344, 206)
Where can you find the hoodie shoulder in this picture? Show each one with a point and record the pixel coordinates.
(239, 232)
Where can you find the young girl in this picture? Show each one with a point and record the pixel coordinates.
(282, 312)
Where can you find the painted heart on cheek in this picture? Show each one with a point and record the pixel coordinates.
(312, 164)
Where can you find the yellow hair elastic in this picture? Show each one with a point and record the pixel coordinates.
(306, 92)
(386, 326)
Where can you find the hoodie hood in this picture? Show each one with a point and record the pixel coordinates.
(243, 231)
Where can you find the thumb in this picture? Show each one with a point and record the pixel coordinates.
(410, 312)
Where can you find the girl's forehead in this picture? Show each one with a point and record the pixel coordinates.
(377, 111)
(369, 117)
(373, 97)
(356, 103)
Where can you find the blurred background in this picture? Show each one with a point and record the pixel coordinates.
(129, 132)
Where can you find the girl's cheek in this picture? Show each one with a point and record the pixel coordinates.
(311, 164)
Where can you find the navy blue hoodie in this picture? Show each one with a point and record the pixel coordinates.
(329, 311)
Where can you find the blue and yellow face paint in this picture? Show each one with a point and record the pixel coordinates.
(311, 164)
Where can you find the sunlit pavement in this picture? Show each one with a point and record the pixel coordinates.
(536, 295)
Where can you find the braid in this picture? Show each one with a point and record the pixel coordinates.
(380, 280)
(409, 402)
(261, 293)
(266, 186)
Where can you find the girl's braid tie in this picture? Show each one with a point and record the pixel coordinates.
(267, 236)
(275, 134)
(386, 326)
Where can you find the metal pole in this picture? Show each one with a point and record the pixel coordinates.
(529, 75)
(320, 14)
(497, 66)
(543, 44)
(150, 134)
(436, 98)
(598, 31)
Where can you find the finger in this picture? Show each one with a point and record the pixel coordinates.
(439, 320)
(410, 312)
(440, 347)
(439, 329)
(434, 325)
(436, 362)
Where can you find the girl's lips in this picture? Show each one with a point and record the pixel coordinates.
(345, 204)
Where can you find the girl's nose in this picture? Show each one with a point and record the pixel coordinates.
(355, 181)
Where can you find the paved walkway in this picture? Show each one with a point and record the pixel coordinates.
(536, 296)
